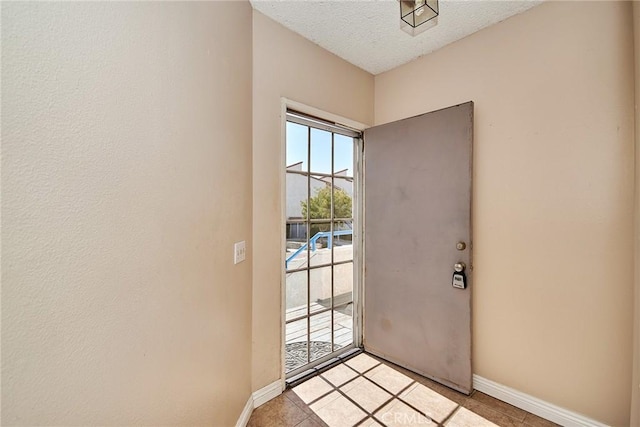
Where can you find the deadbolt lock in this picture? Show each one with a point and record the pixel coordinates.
(461, 246)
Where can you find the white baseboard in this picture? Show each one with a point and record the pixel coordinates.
(246, 413)
(265, 394)
(259, 398)
(534, 405)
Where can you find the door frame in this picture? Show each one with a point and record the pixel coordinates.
(358, 215)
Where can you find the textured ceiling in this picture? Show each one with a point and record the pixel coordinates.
(367, 32)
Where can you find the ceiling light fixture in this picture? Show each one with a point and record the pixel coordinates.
(416, 16)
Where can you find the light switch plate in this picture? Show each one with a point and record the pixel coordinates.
(238, 252)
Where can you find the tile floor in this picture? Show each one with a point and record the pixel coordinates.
(366, 391)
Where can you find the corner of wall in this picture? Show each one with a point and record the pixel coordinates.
(635, 382)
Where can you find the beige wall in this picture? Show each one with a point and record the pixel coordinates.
(126, 169)
(553, 196)
(286, 65)
(635, 385)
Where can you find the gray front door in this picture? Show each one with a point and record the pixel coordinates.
(417, 228)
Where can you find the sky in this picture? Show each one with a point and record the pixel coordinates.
(320, 149)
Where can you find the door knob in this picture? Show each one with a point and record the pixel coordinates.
(459, 267)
